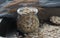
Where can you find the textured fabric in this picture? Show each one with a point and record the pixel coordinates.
(4, 2)
(49, 3)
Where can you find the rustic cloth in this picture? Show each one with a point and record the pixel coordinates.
(49, 3)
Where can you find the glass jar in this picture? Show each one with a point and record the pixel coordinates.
(27, 20)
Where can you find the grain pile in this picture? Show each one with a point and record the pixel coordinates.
(55, 19)
(50, 31)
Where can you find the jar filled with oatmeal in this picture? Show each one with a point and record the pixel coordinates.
(27, 20)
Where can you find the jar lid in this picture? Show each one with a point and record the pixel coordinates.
(25, 10)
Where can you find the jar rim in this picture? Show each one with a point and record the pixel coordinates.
(33, 9)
